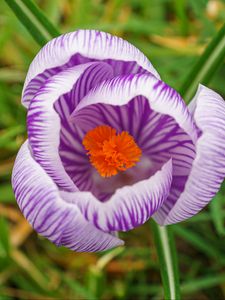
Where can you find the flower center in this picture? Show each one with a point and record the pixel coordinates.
(110, 152)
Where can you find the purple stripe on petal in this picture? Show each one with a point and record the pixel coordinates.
(208, 168)
(152, 112)
(130, 206)
(159, 137)
(49, 129)
(122, 89)
(81, 47)
(61, 222)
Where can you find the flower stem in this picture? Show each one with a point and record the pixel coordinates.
(167, 258)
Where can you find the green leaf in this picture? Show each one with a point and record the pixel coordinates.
(6, 195)
(96, 273)
(187, 287)
(78, 288)
(4, 239)
(8, 135)
(181, 12)
(34, 20)
(199, 242)
(11, 75)
(217, 213)
(206, 66)
(202, 283)
(166, 251)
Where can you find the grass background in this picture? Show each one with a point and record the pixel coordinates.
(172, 34)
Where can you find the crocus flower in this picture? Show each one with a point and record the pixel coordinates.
(110, 144)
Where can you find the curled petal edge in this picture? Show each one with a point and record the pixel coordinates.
(162, 98)
(43, 122)
(52, 217)
(129, 206)
(91, 45)
(208, 169)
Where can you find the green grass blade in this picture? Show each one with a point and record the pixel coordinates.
(34, 20)
(180, 7)
(6, 195)
(206, 66)
(187, 287)
(201, 283)
(199, 243)
(50, 28)
(216, 210)
(4, 240)
(11, 75)
(78, 289)
(9, 135)
(166, 251)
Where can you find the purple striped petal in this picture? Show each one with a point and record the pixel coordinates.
(49, 130)
(130, 206)
(152, 112)
(122, 89)
(80, 47)
(159, 137)
(208, 168)
(49, 214)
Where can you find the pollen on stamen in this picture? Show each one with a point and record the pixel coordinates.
(111, 152)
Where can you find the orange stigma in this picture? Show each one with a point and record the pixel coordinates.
(110, 152)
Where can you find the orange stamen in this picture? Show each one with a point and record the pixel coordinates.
(109, 152)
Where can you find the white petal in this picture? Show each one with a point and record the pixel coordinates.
(80, 47)
(45, 127)
(208, 169)
(61, 222)
(129, 206)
